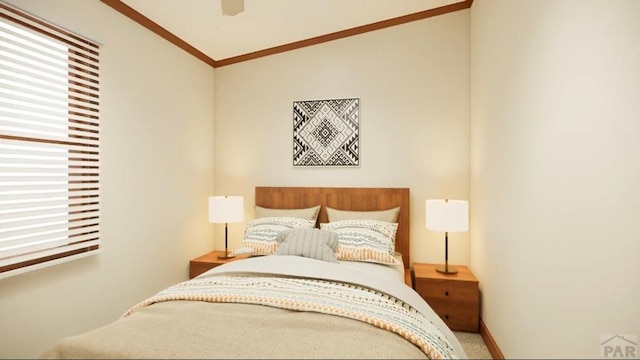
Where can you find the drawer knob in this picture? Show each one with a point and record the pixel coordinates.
(446, 316)
(446, 293)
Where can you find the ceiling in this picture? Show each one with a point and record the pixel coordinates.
(265, 24)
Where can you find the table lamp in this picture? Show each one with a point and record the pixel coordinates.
(226, 209)
(448, 216)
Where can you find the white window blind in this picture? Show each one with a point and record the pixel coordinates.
(49, 144)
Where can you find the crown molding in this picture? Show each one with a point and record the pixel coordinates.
(132, 14)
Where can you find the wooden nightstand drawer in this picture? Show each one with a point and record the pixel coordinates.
(455, 298)
(458, 316)
(196, 268)
(447, 290)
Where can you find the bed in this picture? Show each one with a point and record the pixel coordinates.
(315, 291)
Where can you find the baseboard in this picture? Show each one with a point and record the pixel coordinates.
(492, 346)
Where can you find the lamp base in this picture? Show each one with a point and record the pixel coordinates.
(449, 270)
(226, 256)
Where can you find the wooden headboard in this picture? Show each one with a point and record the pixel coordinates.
(357, 199)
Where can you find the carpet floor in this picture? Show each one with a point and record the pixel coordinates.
(473, 345)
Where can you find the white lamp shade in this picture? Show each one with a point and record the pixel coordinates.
(447, 215)
(226, 209)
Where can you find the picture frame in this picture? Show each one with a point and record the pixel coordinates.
(326, 133)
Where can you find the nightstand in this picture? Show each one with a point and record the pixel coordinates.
(455, 298)
(408, 279)
(208, 261)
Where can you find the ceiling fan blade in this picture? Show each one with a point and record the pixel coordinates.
(232, 7)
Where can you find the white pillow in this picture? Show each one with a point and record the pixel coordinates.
(390, 215)
(310, 213)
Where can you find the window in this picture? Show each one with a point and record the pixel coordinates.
(49, 144)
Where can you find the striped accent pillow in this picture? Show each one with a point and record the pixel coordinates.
(260, 234)
(365, 240)
(312, 243)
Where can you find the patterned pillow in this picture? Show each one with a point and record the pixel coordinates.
(260, 234)
(312, 243)
(365, 240)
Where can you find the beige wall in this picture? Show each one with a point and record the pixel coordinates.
(553, 173)
(413, 84)
(555, 138)
(159, 151)
(156, 174)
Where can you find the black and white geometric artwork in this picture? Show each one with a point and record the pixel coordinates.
(326, 133)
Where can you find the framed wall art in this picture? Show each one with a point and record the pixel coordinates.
(326, 132)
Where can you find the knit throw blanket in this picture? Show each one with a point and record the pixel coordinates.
(322, 296)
